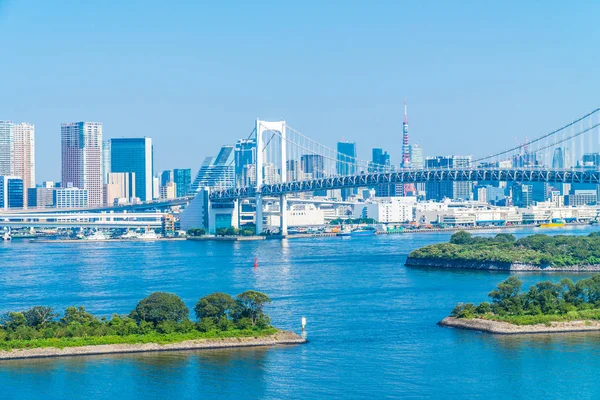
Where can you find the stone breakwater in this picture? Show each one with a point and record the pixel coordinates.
(505, 328)
(493, 266)
(279, 338)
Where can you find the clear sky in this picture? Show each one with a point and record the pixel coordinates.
(193, 75)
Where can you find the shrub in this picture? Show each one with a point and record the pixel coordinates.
(160, 307)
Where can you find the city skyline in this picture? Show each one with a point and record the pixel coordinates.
(458, 84)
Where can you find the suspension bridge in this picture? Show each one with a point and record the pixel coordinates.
(286, 162)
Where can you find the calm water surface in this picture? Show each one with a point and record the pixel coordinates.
(371, 324)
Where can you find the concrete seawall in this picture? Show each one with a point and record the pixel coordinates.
(504, 328)
(279, 338)
(438, 263)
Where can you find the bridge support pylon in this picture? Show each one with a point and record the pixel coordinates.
(259, 214)
(283, 219)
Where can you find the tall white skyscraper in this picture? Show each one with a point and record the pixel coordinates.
(24, 156)
(7, 148)
(82, 158)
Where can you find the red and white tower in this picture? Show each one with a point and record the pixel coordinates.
(405, 143)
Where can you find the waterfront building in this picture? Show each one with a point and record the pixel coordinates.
(7, 148)
(387, 209)
(135, 155)
(245, 155)
(82, 159)
(11, 192)
(522, 195)
(541, 191)
(71, 197)
(105, 160)
(313, 164)
(166, 177)
(451, 190)
(582, 198)
(41, 196)
(216, 172)
(24, 156)
(168, 191)
(298, 215)
(183, 181)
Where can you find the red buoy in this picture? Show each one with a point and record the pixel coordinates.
(255, 262)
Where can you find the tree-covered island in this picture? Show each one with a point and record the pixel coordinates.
(563, 306)
(504, 252)
(161, 318)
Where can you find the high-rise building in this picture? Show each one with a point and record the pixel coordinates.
(346, 158)
(448, 189)
(216, 172)
(522, 195)
(7, 148)
(120, 185)
(416, 156)
(42, 196)
(245, 154)
(135, 155)
(105, 160)
(166, 177)
(168, 191)
(591, 160)
(294, 170)
(560, 159)
(313, 164)
(183, 181)
(24, 156)
(11, 192)
(82, 158)
(380, 161)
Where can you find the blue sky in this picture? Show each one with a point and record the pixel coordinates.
(478, 75)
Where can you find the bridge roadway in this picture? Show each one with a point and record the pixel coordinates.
(523, 175)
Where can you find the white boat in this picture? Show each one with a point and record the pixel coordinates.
(148, 235)
(130, 235)
(6, 237)
(344, 232)
(97, 235)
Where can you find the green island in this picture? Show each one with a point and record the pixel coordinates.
(161, 319)
(503, 252)
(545, 307)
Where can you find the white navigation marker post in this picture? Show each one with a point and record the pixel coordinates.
(303, 323)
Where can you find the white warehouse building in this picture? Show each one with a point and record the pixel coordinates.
(387, 209)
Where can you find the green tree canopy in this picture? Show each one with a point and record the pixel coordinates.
(250, 305)
(39, 316)
(214, 306)
(160, 307)
(461, 237)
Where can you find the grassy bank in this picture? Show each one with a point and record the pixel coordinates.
(154, 337)
(543, 303)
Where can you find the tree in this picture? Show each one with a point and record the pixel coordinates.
(39, 316)
(214, 306)
(13, 320)
(160, 307)
(221, 232)
(196, 232)
(505, 238)
(80, 316)
(461, 237)
(506, 296)
(250, 305)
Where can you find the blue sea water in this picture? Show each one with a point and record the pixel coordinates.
(371, 324)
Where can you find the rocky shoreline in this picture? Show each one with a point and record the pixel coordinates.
(279, 338)
(505, 328)
(439, 263)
